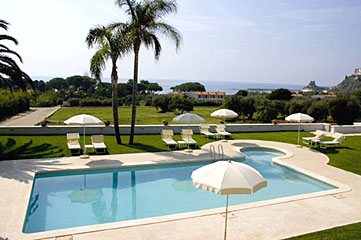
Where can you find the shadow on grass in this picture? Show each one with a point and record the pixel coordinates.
(10, 151)
(145, 147)
(22, 170)
(331, 150)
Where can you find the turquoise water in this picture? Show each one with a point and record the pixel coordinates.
(73, 199)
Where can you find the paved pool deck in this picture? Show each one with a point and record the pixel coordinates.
(271, 219)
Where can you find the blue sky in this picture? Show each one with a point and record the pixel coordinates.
(271, 41)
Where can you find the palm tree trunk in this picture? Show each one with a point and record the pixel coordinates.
(134, 93)
(115, 102)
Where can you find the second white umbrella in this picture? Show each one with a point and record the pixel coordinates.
(224, 114)
(299, 118)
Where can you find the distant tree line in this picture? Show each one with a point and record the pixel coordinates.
(344, 109)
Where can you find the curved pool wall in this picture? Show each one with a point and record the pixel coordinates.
(73, 199)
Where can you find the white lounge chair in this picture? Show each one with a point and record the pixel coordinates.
(204, 129)
(73, 143)
(337, 139)
(187, 137)
(98, 144)
(221, 130)
(319, 134)
(167, 138)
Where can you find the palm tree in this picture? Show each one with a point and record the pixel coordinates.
(9, 69)
(111, 45)
(146, 21)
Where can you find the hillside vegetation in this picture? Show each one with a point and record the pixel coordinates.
(349, 85)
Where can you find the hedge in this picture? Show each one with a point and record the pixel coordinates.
(13, 103)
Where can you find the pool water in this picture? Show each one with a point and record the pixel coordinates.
(73, 199)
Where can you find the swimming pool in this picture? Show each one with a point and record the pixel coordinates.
(73, 199)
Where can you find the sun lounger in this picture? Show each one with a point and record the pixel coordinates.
(221, 130)
(204, 129)
(73, 143)
(337, 139)
(167, 138)
(98, 144)
(187, 137)
(319, 134)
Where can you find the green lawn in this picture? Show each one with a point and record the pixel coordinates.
(145, 115)
(345, 156)
(348, 232)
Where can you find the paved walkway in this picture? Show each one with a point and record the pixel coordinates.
(31, 117)
(271, 219)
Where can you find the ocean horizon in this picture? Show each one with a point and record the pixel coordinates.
(229, 87)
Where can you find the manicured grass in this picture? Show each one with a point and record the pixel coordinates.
(145, 115)
(347, 156)
(348, 232)
(25, 147)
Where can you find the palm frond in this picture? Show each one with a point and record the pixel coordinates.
(4, 24)
(11, 52)
(159, 8)
(131, 4)
(169, 31)
(9, 61)
(98, 62)
(7, 37)
(157, 46)
(95, 35)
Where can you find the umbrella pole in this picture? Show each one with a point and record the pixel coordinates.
(225, 227)
(84, 153)
(298, 137)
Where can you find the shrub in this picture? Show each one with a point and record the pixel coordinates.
(300, 106)
(344, 110)
(93, 102)
(207, 103)
(13, 103)
(266, 111)
(73, 102)
(47, 99)
(182, 103)
(319, 110)
(280, 94)
(162, 102)
(148, 100)
(243, 106)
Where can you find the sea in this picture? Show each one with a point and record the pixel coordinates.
(229, 87)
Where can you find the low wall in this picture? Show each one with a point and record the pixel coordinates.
(346, 128)
(156, 129)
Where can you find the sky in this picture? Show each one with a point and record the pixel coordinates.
(263, 41)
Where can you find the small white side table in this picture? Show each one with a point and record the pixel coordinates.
(180, 143)
(86, 147)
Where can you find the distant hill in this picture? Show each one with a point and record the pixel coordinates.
(349, 85)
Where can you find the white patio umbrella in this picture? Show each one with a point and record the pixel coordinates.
(228, 177)
(224, 114)
(300, 118)
(84, 119)
(189, 118)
